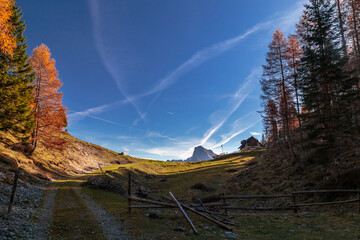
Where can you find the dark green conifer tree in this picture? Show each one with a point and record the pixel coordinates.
(15, 84)
(326, 86)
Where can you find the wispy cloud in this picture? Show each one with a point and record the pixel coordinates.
(255, 133)
(239, 126)
(152, 134)
(73, 117)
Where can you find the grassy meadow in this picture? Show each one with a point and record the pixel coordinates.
(180, 177)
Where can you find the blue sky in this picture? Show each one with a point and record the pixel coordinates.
(157, 78)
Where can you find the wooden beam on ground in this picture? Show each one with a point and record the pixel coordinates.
(183, 212)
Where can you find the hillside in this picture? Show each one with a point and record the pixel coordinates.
(79, 157)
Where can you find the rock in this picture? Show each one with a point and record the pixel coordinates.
(179, 229)
(232, 170)
(163, 179)
(106, 183)
(149, 176)
(229, 235)
(202, 187)
(155, 214)
(142, 192)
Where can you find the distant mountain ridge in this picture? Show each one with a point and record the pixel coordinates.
(201, 154)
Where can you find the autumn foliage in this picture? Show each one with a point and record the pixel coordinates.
(7, 39)
(50, 114)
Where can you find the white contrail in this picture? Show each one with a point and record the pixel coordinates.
(113, 70)
(239, 96)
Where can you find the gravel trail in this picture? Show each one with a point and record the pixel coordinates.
(110, 226)
(45, 213)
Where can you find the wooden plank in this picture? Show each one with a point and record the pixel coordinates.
(326, 203)
(12, 197)
(183, 212)
(327, 191)
(255, 196)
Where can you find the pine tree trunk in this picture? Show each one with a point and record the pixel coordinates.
(342, 31)
(286, 109)
(297, 102)
(356, 32)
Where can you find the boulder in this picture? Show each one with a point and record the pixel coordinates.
(202, 187)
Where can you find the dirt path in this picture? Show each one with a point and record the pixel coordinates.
(78, 216)
(45, 214)
(110, 226)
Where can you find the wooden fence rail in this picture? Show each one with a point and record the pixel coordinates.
(293, 195)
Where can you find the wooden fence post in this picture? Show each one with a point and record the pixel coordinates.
(102, 172)
(129, 192)
(358, 197)
(224, 201)
(12, 197)
(294, 202)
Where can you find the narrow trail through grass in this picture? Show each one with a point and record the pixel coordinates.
(110, 226)
(71, 218)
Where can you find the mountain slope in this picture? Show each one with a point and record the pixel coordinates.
(201, 154)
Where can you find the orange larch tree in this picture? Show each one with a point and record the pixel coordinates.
(49, 113)
(7, 39)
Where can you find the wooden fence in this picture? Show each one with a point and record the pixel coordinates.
(218, 218)
(295, 206)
